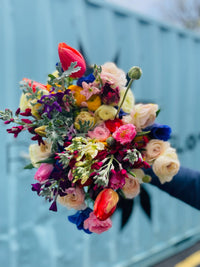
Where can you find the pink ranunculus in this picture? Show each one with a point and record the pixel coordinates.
(125, 133)
(95, 225)
(43, 172)
(100, 132)
(68, 55)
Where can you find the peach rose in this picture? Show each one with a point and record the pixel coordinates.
(154, 149)
(132, 187)
(113, 75)
(75, 198)
(166, 165)
(144, 115)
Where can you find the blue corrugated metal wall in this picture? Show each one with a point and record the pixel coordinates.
(30, 31)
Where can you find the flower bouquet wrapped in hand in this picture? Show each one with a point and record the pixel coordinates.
(92, 140)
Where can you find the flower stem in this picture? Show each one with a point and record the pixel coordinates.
(124, 97)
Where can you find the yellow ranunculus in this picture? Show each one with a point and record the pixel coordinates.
(79, 98)
(105, 112)
(94, 102)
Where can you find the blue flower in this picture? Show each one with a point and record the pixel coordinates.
(88, 79)
(159, 131)
(121, 113)
(79, 218)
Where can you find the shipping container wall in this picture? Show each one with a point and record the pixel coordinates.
(31, 235)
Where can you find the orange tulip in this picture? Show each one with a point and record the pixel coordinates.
(68, 55)
(105, 204)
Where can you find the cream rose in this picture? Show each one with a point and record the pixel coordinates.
(144, 115)
(105, 112)
(166, 166)
(129, 101)
(154, 149)
(132, 187)
(38, 153)
(75, 198)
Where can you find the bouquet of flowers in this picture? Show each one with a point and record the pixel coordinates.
(92, 141)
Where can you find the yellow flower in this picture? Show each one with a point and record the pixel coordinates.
(94, 102)
(41, 130)
(83, 117)
(91, 149)
(38, 153)
(105, 112)
(129, 101)
(76, 90)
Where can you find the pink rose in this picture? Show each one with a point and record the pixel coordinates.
(100, 132)
(75, 198)
(95, 225)
(43, 172)
(125, 133)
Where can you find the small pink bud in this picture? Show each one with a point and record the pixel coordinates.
(43, 172)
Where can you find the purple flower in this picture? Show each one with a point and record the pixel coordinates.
(53, 206)
(79, 218)
(36, 187)
(53, 102)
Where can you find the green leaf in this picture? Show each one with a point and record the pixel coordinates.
(48, 160)
(143, 133)
(51, 76)
(157, 112)
(29, 166)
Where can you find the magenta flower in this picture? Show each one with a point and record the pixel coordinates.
(95, 225)
(117, 179)
(89, 89)
(125, 133)
(43, 172)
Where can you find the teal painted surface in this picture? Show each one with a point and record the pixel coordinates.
(30, 31)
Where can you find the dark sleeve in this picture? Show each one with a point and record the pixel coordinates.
(184, 186)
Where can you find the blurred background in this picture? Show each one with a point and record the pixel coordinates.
(162, 37)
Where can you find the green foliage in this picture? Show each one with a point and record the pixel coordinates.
(133, 155)
(6, 115)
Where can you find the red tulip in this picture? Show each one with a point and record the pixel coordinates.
(68, 55)
(105, 204)
(34, 84)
